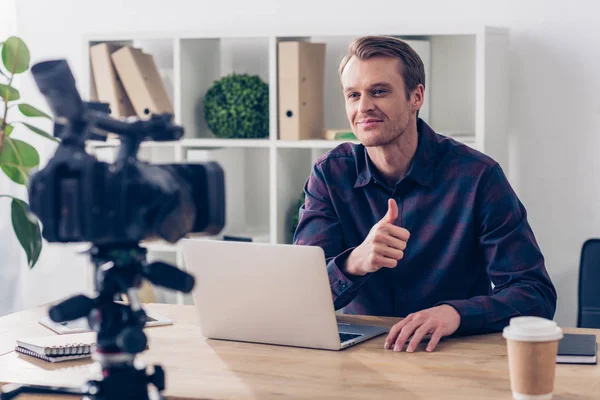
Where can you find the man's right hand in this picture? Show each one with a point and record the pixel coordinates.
(383, 246)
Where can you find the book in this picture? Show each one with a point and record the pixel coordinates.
(58, 348)
(339, 134)
(577, 349)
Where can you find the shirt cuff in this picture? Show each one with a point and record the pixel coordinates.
(471, 315)
(339, 281)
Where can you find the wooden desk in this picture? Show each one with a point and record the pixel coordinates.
(464, 368)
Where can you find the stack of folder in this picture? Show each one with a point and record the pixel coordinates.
(128, 80)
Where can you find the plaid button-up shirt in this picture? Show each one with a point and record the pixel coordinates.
(468, 231)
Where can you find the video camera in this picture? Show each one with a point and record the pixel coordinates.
(115, 206)
(80, 199)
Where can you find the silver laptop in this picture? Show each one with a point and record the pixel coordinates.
(267, 293)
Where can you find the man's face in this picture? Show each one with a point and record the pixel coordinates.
(375, 98)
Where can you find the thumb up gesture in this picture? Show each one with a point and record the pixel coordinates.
(383, 246)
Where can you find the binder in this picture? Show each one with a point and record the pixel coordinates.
(108, 87)
(141, 81)
(301, 75)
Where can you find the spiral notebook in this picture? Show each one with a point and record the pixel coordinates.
(58, 348)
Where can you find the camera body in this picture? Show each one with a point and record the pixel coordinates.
(81, 199)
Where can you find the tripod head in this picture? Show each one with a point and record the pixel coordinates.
(120, 270)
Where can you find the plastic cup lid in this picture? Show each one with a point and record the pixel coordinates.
(532, 329)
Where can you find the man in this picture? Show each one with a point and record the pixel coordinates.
(414, 224)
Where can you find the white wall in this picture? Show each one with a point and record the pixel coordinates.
(555, 102)
(12, 261)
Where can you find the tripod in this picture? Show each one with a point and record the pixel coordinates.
(120, 336)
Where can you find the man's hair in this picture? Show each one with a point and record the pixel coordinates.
(411, 65)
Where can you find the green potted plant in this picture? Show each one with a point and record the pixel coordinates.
(294, 215)
(237, 106)
(17, 157)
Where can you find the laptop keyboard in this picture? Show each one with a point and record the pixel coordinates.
(347, 336)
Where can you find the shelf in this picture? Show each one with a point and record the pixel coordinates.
(462, 137)
(199, 143)
(406, 29)
(311, 144)
(209, 142)
(166, 247)
(146, 144)
(161, 246)
(190, 143)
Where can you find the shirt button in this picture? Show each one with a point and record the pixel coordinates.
(342, 285)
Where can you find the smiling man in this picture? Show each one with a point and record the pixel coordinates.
(415, 224)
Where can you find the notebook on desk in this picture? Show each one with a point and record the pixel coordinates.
(577, 349)
(57, 348)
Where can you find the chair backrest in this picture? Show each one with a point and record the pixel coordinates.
(588, 313)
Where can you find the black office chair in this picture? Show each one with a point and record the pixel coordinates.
(588, 311)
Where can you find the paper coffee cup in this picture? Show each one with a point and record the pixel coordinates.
(532, 344)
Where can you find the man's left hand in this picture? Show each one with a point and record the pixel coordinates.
(438, 321)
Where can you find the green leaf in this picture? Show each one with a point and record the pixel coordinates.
(16, 174)
(40, 132)
(15, 55)
(27, 229)
(9, 93)
(17, 158)
(8, 129)
(30, 111)
(18, 152)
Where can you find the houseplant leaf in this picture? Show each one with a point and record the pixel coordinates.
(16, 174)
(17, 158)
(8, 129)
(9, 93)
(15, 55)
(30, 111)
(40, 132)
(27, 229)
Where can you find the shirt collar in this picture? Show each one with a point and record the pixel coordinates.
(423, 164)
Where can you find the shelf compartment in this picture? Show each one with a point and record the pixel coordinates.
(203, 61)
(246, 187)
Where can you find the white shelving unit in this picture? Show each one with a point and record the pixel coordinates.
(466, 98)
